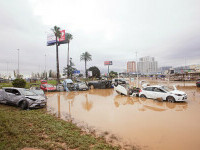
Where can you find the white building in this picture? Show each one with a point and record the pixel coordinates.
(147, 65)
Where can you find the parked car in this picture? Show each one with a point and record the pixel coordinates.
(125, 89)
(119, 81)
(81, 86)
(43, 81)
(198, 83)
(48, 87)
(68, 85)
(163, 93)
(22, 98)
(35, 88)
(103, 84)
(60, 87)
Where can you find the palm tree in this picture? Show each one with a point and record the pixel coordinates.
(56, 31)
(86, 57)
(69, 38)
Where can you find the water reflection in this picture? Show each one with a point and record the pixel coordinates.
(58, 97)
(101, 92)
(148, 104)
(87, 105)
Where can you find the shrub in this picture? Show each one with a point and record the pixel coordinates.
(20, 83)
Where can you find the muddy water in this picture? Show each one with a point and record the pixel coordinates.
(145, 122)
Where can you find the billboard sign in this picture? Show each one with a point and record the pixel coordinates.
(76, 71)
(51, 38)
(62, 36)
(89, 73)
(107, 62)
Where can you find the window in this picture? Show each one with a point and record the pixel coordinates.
(159, 90)
(13, 91)
(149, 88)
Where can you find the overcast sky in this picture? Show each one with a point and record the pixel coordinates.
(168, 30)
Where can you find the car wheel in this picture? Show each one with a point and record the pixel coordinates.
(24, 105)
(143, 96)
(171, 99)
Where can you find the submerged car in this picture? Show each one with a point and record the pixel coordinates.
(48, 87)
(125, 89)
(103, 84)
(163, 93)
(35, 88)
(198, 83)
(119, 81)
(81, 86)
(22, 98)
(68, 85)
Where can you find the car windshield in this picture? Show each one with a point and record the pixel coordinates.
(28, 93)
(48, 85)
(38, 92)
(166, 88)
(82, 84)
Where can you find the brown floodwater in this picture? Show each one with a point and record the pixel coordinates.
(144, 122)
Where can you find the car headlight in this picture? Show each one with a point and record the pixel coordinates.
(178, 94)
(32, 99)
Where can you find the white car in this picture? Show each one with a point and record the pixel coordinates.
(163, 93)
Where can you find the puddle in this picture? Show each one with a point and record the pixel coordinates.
(148, 123)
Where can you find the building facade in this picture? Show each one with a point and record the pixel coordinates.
(147, 65)
(131, 67)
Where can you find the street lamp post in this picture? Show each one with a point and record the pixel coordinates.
(45, 68)
(18, 62)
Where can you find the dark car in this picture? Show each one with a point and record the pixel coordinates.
(22, 98)
(81, 86)
(198, 83)
(103, 84)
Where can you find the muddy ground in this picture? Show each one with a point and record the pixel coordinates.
(150, 124)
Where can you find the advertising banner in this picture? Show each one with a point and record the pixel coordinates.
(51, 38)
(107, 62)
(62, 37)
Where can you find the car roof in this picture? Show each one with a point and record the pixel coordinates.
(158, 86)
(12, 88)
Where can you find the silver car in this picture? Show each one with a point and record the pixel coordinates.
(81, 86)
(22, 98)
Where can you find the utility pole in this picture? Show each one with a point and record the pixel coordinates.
(45, 67)
(7, 69)
(18, 62)
(136, 68)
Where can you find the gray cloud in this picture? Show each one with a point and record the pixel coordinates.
(109, 30)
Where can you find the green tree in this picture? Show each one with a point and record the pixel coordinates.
(69, 37)
(56, 31)
(20, 83)
(86, 57)
(95, 71)
(69, 70)
(113, 74)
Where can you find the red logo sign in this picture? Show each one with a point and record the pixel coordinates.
(62, 37)
(107, 62)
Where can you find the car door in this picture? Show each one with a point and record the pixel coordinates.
(159, 93)
(2, 96)
(149, 92)
(13, 96)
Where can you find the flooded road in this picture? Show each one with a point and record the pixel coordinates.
(144, 122)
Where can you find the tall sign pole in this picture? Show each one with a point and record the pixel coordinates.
(18, 62)
(108, 63)
(45, 71)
